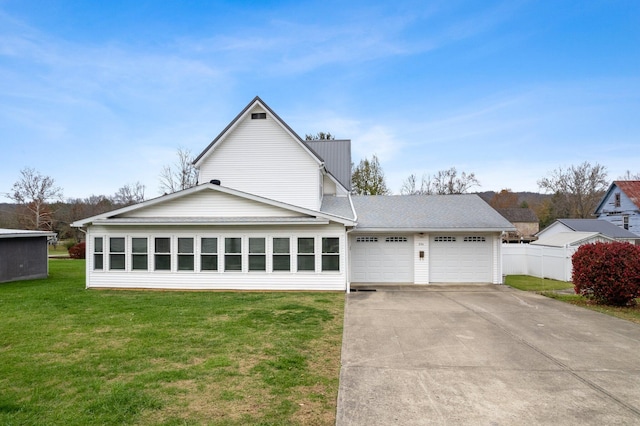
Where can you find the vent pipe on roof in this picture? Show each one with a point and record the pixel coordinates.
(215, 181)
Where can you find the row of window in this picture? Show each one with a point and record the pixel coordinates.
(156, 254)
(452, 239)
(386, 240)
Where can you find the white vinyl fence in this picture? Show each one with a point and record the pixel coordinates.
(537, 261)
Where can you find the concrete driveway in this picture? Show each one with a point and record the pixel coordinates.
(484, 355)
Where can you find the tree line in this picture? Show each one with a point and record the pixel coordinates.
(572, 192)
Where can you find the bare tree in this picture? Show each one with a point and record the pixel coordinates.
(630, 176)
(368, 178)
(442, 183)
(320, 136)
(131, 193)
(33, 191)
(181, 175)
(410, 186)
(577, 190)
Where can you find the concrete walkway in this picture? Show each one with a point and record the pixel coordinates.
(484, 355)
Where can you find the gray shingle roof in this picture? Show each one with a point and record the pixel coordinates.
(428, 213)
(337, 158)
(517, 214)
(597, 225)
(339, 206)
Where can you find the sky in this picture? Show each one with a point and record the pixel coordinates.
(98, 95)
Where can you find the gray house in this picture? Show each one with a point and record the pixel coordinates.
(23, 254)
(621, 205)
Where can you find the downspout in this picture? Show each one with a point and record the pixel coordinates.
(346, 260)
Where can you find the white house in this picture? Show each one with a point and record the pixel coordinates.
(274, 212)
(599, 226)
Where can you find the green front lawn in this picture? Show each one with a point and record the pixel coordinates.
(79, 357)
(550, 288)
(529, 283)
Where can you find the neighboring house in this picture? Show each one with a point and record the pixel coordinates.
(526, 222)
(23, 254)
(548, 257)
(621, 205)
(588, 225)
(274, 212)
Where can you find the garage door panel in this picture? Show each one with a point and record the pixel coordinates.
(379, 259)
(460, 258)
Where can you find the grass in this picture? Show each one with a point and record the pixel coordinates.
(550, 288)
(529, 283)
(82, 357)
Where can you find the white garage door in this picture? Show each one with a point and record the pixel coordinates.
(382, 259)
(460, 259)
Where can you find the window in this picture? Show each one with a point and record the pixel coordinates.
(139, 257)
(233, 254)
(444, 239)
(616, 200)
(257, 256)
(209, 254)
(625, 222)
(281, 254)
(185, 254)
(474, 239)
(306, 254)
(258, 115)
(366, 239)
(162, 254)
(395, 240)
(98, 254)
(330, 254)
(116, 253)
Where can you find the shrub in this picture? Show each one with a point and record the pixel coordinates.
(69, 243)
(78, 251)
(608, 273)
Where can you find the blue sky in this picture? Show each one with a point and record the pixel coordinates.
(101, 94)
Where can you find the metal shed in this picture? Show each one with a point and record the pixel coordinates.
(23, 254)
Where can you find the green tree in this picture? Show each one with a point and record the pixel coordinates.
(368, 178)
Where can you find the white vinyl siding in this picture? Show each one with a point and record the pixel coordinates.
(211, 204)
(260, 157)
(209, 249)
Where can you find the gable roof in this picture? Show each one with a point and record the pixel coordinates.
(598, 225)
(116, 216)
(518, 214)
(336, 152)
(427, 213)
(566, 239)
(631, 189)
(337, 158)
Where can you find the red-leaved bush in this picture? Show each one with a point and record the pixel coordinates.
(608, 273)
(78, 251)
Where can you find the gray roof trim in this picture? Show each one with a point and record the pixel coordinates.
(226, 221)
(23, 233)
(426, 230)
